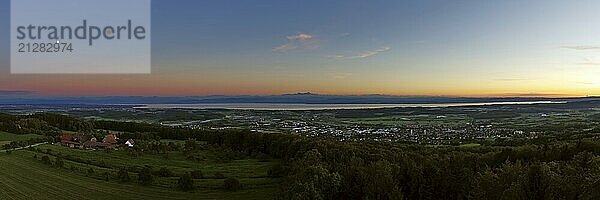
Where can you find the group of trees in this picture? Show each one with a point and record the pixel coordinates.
(388, 171)
(42, 124)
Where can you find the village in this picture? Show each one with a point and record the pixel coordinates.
(87, 141)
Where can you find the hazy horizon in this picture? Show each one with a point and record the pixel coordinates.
(34, 94)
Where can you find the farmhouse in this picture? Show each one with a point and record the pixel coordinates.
(68, 140)
(110, 139)
(83, 141)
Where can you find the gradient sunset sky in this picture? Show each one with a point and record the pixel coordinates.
(448, 48)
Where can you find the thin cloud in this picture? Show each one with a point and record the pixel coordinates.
(590, 64)
(584, 83)
(15, 92)
(367, 54)
(297, 41)
(364, 54)
(533, 94)
(335, 56)
(285, 47)
(342, 75)
(582, 47)
(300, 37)
(513, 79)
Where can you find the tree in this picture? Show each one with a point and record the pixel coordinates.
(536, 188)
(164, 172)
(46, 159)
(219, 175)
(59, 162)
(197, 174)
(145, 176)
(90, 171)
(276, 170)
(232, 184)
(311, 180)
(379, 183)
(123, 175)
(186, 182)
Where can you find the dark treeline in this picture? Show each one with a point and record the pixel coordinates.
(42, 124)
(320, 168)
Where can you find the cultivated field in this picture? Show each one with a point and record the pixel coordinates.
(6, 138)
(24, 177)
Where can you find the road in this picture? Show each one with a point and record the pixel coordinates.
(33, 145)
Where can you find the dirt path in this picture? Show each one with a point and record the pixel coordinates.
(33, 145)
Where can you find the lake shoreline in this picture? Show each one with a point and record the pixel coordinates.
(298, 106)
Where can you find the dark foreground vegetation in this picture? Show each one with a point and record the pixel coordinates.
(321, 168)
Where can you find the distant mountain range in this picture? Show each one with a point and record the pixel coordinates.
(300, 98)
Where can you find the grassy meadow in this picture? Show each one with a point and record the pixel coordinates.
(6, 138)
(89, 174)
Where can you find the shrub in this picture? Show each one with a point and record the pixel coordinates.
(227, 155)
(193, 156)
(186, 183)
(164, 172)
(145, 176)
(123, 175)
(197, 174)
(232, 184)
(219, 175)
(276, 170)
(263, 157)
(46, 159)
(59, 162)
(90, 171)
(106, 176)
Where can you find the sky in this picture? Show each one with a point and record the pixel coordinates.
(433, 48)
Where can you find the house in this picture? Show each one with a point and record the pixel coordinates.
(68, 140)
(81, 138)
(88, 141)
(66, 137)
(130, 143)
(110, 138)
(72, 141)
(90, 145)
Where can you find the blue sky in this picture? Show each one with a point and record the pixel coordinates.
(457, 48)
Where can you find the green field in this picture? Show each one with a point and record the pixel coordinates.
(175, 161)
(6, 138)
(24, 177)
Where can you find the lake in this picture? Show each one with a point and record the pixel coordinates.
(285, 106)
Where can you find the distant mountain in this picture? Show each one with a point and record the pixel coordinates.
(300, 98)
